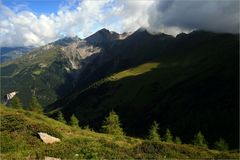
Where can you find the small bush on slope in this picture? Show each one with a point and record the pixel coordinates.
(35, 105)
(73, 121)
(112, 125)
(153, 132)
(15, 103)
(60, 117)
(199, 140)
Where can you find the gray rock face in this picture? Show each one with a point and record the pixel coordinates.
(46, 138)
(77, 52)
(8, 97)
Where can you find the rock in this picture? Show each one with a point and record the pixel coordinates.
(8, 97)
(51, 158)
(47, 138)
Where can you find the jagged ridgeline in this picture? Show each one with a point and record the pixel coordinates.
(187, 83)
(51, 71)
(47, 72)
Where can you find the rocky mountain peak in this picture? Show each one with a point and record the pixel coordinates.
(102, 35)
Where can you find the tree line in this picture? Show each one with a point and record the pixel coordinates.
(34, 105)
(112, 125)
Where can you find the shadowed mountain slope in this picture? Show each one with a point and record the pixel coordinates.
(190, 85)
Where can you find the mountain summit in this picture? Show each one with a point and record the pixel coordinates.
(102, 35)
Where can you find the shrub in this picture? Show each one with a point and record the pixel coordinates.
(35, 105)
(60, 117)
(199, 140)
(221, 145)
(73, 121)
(112, 125)
(177, 140)
(15, 103)
(153, 132)
(168, 136)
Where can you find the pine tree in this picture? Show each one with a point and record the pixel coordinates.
(168, 136)
(153, 132)
(177, 140)
(112, 125)
(73, 121)
(35, 106)
(221, 145)
(15, 103)
(60, 117)
(199, 140)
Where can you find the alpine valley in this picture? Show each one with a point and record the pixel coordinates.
(187, 83)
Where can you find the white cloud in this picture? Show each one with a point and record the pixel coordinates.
(215, 15)
(24, 28)
(21, 26)
(133, 14)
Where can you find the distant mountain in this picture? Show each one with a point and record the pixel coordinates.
(49, 72)
(104, 35)
(187, 84)
(66, 41)
(10, 53)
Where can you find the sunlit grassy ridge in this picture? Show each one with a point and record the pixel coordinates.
(141, 69)
(19, 140)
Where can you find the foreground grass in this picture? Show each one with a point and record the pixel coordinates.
(19, 140)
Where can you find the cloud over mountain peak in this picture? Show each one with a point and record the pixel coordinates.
(24, 27)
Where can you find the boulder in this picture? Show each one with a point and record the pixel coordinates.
(51, 158)
(46, 138)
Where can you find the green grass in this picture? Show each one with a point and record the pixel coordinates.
(141, 69)
(19, 140)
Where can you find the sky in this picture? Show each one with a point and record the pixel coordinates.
(38, 22)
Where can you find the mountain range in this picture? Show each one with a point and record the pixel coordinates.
(187, 83)
(10, 53)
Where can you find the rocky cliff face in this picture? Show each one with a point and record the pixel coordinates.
(77, 51)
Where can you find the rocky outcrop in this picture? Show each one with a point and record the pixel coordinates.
(8, 97)
(46, 138)
(77, 52)
(51, 158)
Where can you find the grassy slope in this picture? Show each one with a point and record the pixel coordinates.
(189, 90)
(42, 72)
(19, 140)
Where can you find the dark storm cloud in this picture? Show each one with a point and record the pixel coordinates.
(215, 15)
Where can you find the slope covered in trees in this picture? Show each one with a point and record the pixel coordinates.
(19, 140)
(191, 86)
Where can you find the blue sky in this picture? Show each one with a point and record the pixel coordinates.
(37, 22)
(36, 6)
